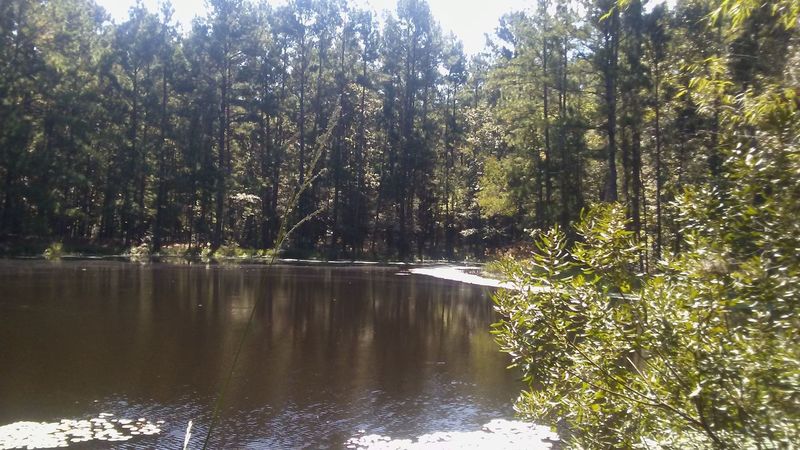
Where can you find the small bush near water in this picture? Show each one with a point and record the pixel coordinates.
(204, 252)
(139, 252)
(54, 251)
(234, 251)
(703, 354)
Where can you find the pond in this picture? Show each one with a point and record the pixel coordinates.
(334, 352)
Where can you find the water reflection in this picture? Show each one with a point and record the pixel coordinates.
(333, 350)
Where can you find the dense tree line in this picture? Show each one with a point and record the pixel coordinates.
(606, 108)
(135, 133)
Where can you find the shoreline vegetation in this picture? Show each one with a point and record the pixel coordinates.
(77, 249)
(468, 272)
(472, 268)
(180, 253)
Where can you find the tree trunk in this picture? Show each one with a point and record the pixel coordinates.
(610, 76)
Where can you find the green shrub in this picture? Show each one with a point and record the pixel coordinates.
(174, 250)
(705, 354)
(205, 253)
(233, 251)
(54, 251)
(139, 252)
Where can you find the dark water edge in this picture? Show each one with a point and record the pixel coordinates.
(334, 350)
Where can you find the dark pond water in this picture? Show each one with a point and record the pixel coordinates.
(334, 351)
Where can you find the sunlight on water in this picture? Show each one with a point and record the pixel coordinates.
(30, 435)
(495, 435)
(458, 273)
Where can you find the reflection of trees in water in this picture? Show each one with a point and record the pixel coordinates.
(355, 344)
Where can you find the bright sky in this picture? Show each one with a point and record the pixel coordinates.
(468, 19)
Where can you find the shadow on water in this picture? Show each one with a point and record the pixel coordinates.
(334, 350)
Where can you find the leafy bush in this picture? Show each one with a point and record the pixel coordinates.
(200, 252)
(54, 251)
(233, 251)
(175, 250)
(704, 354)
(139, 252)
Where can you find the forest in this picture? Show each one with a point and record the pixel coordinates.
(136, 134)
